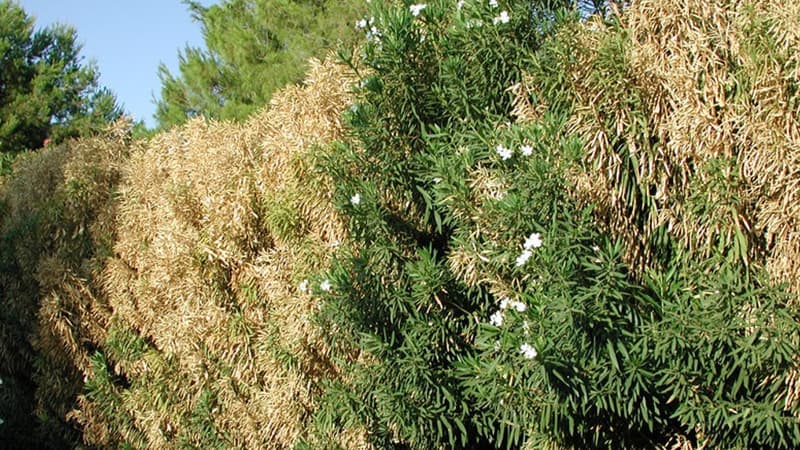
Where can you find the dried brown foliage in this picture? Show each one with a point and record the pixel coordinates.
(218, 224)
(60, 226)
(689, 112)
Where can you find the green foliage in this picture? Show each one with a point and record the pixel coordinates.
(478, 301)
(201, 432)
(479, 305)
(434, 89)
(104, 389)
(253, 47)
(45, 89)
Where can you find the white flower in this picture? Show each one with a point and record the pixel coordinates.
(356, 199)
(303, 286)
(504, 152)
(596, 248)
(524, 257)
(493, 3)
(416, 9)
(502, 18)
(437, 180)
(325, 286)
(526, 150)
(460, 4)
(533, 241)
(496, 319)
(374, 35)
(361, 23)
(519, 306)
(504, 302)
(528, 351)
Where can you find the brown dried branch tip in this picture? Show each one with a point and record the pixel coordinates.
(218, 225)
(689, 112)
(60, 205)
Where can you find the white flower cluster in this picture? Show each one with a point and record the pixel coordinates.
(506, 303)
(325, 286)
(355, 199)
(303, 286)
(528, 351)
(504, 152)
(417, 8)
(363, 23)
(493, 3)
(502, 18)
(533, 241)
(460, 4)
(373, 34)
(497, 317)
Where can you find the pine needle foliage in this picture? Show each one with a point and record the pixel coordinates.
(253, 48)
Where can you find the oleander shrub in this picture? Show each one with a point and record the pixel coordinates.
(210, 343)
(499, 224)
(56, 229)
(541, 254)
(153, 291)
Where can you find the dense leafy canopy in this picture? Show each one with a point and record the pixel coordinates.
(46, 91)
(542, 225)
(253, 48)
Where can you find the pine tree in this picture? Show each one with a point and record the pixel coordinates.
(46, 91)
(253, 47)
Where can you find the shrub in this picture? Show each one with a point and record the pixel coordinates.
(512, 276)
(57, 227)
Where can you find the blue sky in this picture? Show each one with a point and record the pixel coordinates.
(127, 41)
